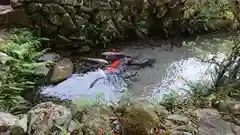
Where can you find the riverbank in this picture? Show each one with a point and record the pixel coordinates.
(96, 118)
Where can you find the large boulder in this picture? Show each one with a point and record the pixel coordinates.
(210, 123)
(141, 116)
(45, 117)
(12, 125)
(97, 120)
(61, 70)
(230, 106)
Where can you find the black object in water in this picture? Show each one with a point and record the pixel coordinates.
(142, 60)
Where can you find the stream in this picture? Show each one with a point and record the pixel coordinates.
(172, 70)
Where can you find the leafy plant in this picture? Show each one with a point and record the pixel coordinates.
(101, 33)
(208, 14)
(171, 100)
(63, 131)
(85, 102)
(226, 74)
(20, 69)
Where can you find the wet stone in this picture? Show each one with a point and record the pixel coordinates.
(178, 118)
(53, 9)
(50, 57)
(61, 70)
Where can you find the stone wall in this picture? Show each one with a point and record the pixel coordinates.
(81, 19)
(97, 21)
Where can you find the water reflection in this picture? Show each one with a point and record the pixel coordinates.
(179, 73)
(78, 85)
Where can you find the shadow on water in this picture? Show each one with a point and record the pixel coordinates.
(170, 72)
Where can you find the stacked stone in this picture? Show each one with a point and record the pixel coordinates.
(67, 17)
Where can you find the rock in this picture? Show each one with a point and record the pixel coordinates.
(97, 118)
(211, 125)
(71, 10)
(10, 124)
(103, 4)
(160, 110)
(79, 21)
(141, 116)
(55, 19)
(116, 5)
(50, 57)
(73, 126)
(103, 15)
(229, 106)
(61, 70)
(67, 21)
(7, 120)
(85, 16)
(70, 2)
(180, 133)
(162, 11)
(161, 2)
(41, 23)
(53, 9)
(16, 3)
(68, 26)
(84, 49)
(178, 118)
(169, 123)
(44, 116)
(207, 112)
(18, 17)
(34, 7)
(20, 127)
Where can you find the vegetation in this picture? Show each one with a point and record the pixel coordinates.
(209, 15)
(225, 79)
(20, 70)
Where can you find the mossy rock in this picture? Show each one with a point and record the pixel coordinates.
(54, 9)
(139, 119)
(34, 7)
(61, 70)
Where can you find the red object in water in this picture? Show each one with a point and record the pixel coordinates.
(115, 51)
(115, 64)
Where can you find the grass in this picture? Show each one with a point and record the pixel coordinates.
(20, 69)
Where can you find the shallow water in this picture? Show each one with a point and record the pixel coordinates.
(78, 85)
(172, 70)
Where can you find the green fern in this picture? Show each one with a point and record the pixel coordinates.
(20, 69)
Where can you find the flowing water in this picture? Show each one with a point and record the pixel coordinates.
(170, 72)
